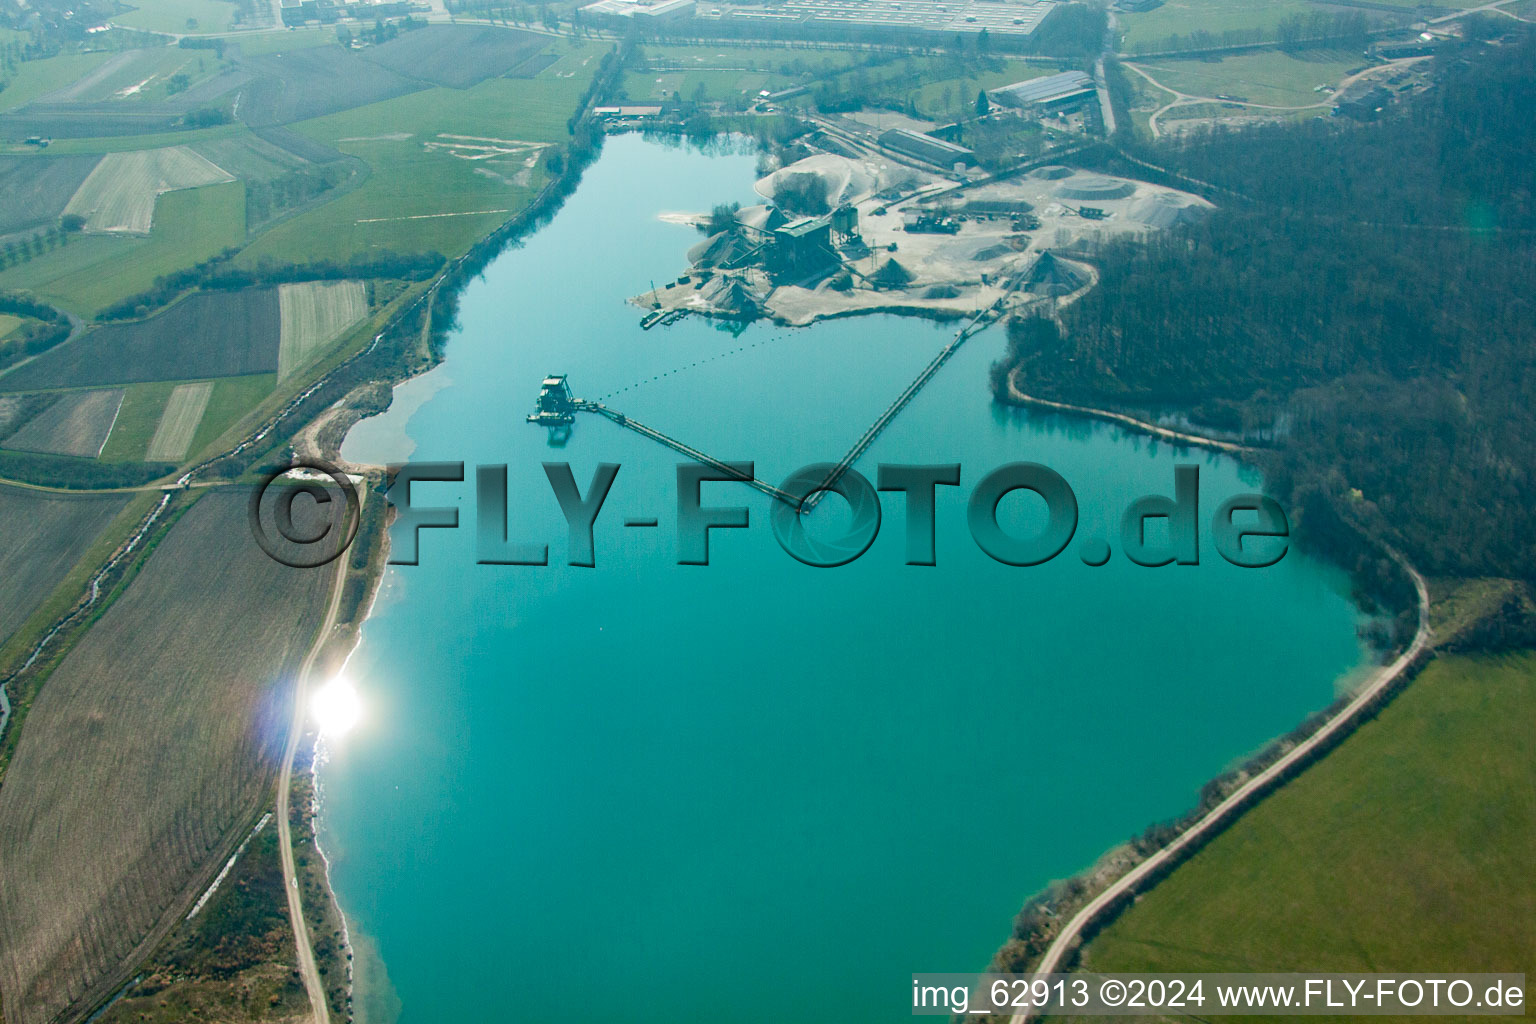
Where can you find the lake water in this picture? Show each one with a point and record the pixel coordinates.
(760, 791)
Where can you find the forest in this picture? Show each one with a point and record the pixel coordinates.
(1361, 296)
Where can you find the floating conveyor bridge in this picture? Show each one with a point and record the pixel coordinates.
(582, 405)
(556, 407)
(973, 326)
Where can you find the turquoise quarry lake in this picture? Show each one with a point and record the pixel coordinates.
(758, 791)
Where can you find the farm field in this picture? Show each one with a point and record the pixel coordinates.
(151, 140)
(190, 225)
(119, 195)
(727, 72)
(233, 398)
(179, 16)
(45, 536)
(786, 60)
(1268, 76)
(302, 84)
(36, 78)
(8, 324)
(77, 424)
(421, 199)
(82, 253)
(36, 189)
(178, 424)
(249, 157)
(457, 56)
(237, 954)
(149, 747)
(660, 85)
(254, 44)
(313, 315)
(1150, 29)
(211, 334)
(143, 405)
(955, 95)
(1406, 849)
(134, 77)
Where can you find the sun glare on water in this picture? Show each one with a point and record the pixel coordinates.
(336, 707)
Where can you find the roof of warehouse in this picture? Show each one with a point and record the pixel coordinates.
(1050, 87)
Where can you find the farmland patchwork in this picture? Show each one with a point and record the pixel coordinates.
(119, 195)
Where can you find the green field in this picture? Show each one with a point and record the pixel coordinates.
(158, 140)
(1406, 849)
(91, 273)
(730, 72)
(1267, 76)
(420, 195)
(36, 77)
(1181, 17)
(955, 95)
(174, 15)
(8, 324)
(136, 421)
(717, 85)
(233, 397)
(256, 43)
(83, 253)
(142, 75)
(778, 59)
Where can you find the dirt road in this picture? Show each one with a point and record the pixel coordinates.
(306, 953)
(1218, 815)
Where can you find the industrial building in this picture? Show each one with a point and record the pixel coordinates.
(328, 12)
(803, 247)
(630, 111)
(921, 16)
(640, 10)
(927, 148)
(1364, 107)
(1049, 91)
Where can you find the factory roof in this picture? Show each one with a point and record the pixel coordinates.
(801, 228)
(1047, 89)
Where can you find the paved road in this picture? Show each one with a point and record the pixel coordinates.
(1051, 961)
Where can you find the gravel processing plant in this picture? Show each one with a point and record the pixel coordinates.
(896, 238)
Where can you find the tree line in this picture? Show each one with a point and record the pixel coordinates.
(43, 327)
(218, 273)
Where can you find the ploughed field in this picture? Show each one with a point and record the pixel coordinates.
(36, 189)
(149, 748)
(45, 534)
(74, 424)
(213, 334)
